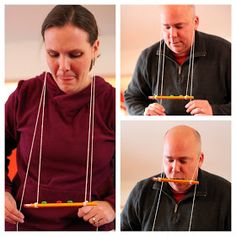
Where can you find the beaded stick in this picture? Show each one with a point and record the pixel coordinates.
(171, 97)
(65, 204)
(181, 181)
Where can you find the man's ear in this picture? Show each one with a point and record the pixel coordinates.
(196, 22)
(201, 159)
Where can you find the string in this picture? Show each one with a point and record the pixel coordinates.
(89, 162)
(31, 148)
(163, 69)
(88, 145)
(191, 63)
(41, 141)
(190, 68)
(159, 200)
(194, 197)
(159, 67)
(193, 204)
(92, 144)
(89, 150)
(92, 137)
(191, 86)
(158, 204)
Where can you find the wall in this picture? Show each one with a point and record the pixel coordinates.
(140, 28)
(24, 53)
(142, 143)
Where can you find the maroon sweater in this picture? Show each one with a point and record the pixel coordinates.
(64, 151)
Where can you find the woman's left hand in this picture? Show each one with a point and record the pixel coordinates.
(98, 215)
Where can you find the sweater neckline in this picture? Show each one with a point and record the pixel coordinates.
(72, 102)
(200, 47)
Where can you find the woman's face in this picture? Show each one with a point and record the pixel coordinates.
(69, 55)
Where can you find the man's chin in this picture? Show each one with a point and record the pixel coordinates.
(178, 51)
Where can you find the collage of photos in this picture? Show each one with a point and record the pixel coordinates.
(100, 142)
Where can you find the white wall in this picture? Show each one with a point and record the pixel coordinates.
(24, 56)
(140, 28)
(142, 147)
(25, 59)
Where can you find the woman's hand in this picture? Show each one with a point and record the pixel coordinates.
(12, 215)
(98, 215)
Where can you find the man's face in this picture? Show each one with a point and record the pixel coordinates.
(181, 160)
(178, 27)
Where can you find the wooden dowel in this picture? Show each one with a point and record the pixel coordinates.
(65, 204)
(171, 97)
(180, 181)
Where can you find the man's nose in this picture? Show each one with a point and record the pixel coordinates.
(175, 166)
(172, 32)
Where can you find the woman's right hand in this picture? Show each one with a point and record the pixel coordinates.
(12, 215)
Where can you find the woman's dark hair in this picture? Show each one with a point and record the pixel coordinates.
(75, 15)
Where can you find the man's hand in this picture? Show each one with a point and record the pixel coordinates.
(154, 109)
(199, 108)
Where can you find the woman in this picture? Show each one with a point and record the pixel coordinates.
(63, 126)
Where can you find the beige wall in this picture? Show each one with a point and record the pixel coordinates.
(24, 54)
(141, 149)
(140, 28)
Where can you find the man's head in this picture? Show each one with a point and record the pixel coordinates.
(182, 155)
(179, 23)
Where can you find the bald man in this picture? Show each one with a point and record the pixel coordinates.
(174, 206)
(209, 81)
